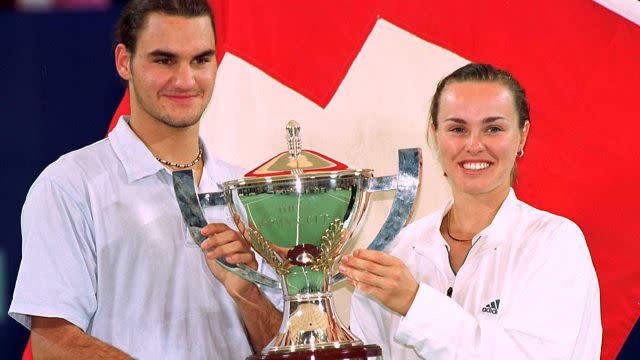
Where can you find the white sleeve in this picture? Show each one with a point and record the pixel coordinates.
(57, 275)
(370, 322)
(553, 314)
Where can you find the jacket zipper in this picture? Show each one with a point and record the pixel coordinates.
(450, 289)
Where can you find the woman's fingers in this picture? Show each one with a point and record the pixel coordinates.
(377, 257)
(364, 265)
(382, 276)
(357, 270)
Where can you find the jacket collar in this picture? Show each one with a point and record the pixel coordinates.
(491, 236)
(497, 232)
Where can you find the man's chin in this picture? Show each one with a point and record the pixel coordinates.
(180, 123)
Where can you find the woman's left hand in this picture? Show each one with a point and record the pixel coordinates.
(382, 276)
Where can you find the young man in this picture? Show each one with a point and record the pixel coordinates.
(109, 269)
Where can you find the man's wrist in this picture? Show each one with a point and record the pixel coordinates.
(250, 293)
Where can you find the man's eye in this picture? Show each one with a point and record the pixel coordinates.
(202, 60)
(164, 61)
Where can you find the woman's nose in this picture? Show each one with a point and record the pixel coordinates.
(474, 143)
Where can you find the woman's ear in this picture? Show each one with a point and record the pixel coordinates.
(524, 133)
(431, 132)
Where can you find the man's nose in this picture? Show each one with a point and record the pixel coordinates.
(184, 76)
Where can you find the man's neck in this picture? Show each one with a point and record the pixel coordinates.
(178, 145)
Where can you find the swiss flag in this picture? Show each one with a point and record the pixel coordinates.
(358, 77)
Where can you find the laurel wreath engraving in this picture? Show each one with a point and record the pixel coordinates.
(261, 245)
(331, 240)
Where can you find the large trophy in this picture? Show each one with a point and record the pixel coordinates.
(298, 210)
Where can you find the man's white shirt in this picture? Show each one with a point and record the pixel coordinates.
(527, 289)
(105, 247)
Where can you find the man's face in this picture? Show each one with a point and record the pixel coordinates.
(172, 72)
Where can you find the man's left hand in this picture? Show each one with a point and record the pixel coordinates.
(224, 241)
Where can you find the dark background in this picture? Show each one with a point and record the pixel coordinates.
(58, 93)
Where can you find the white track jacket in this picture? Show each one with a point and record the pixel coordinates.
(527, 290)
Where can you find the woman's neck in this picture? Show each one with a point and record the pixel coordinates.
(470, 214)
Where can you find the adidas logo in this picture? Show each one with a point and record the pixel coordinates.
(492, 307)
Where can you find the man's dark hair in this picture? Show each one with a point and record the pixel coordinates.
(135, 14)
(485, 73)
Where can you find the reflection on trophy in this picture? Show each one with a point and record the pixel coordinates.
(298, 210)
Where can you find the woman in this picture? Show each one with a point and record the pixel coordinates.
(486, 276)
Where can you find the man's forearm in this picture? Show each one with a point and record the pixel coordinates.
(53, 338)
(260, 317)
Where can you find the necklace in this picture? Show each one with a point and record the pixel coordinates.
(181, 166)
(449, 232)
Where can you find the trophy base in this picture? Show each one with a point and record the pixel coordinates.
(362, 352)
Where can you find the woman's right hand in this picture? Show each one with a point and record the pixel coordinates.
(382, 276)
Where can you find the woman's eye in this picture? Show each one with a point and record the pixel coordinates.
(457, 130)
(493, 129)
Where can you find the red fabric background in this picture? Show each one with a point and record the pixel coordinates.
(577, 60)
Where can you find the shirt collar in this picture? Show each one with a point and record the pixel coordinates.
(492, 235)
(137, 160)
(212, 169)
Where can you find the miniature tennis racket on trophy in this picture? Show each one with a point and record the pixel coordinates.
(298, 210)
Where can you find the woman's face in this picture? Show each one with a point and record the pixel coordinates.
(478, 136)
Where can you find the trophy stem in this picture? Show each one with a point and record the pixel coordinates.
(311, 330)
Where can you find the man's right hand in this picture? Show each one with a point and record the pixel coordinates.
(55, 338)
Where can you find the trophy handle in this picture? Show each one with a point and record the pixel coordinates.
(406, 184)
(191, 208)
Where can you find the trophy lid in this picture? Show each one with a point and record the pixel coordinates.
(295, 161)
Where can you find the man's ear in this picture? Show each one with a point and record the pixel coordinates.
(123, 62)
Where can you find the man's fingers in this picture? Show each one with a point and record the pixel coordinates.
(234, 254)
(226, 249)
(221, 238)
(214, 228)
(242, 258)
